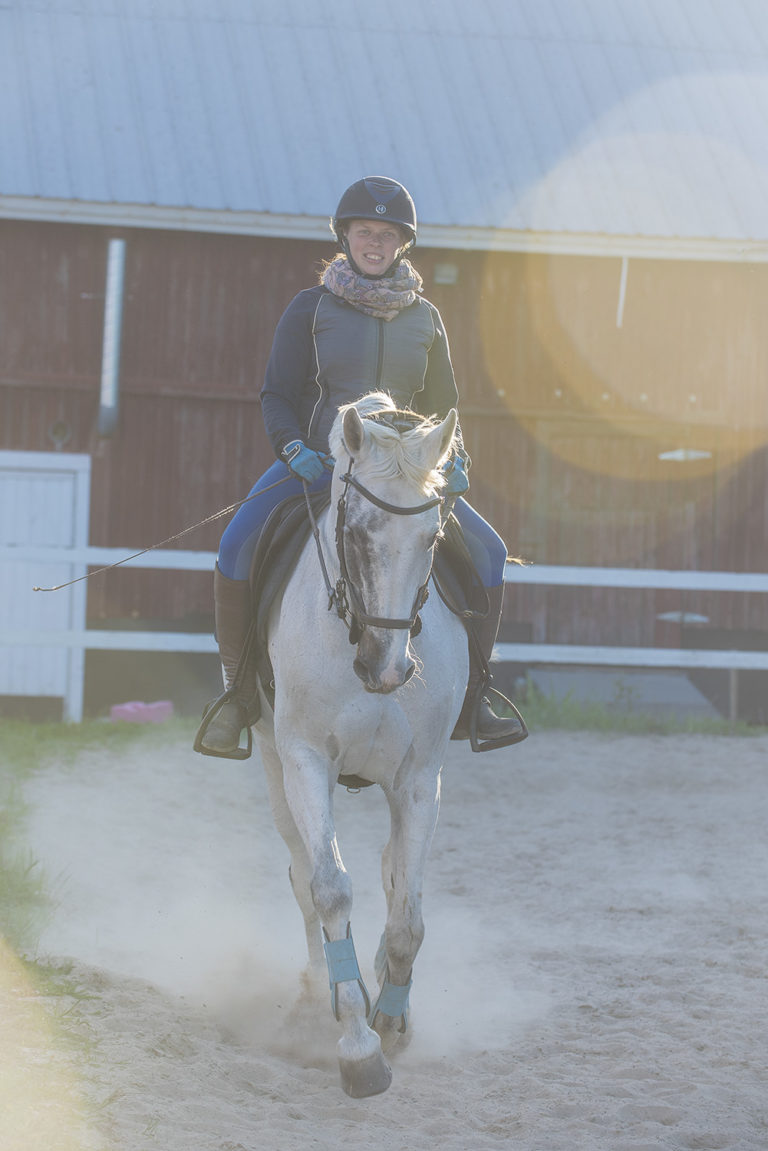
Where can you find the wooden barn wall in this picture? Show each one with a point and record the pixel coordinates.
(567, 404)
(199, 313)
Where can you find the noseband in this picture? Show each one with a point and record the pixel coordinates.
(348, 600)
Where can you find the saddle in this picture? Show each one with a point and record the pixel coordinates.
(281, 542)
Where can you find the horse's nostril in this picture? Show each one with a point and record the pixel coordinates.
(409, 672)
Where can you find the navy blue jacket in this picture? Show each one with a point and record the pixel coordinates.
(327, 353)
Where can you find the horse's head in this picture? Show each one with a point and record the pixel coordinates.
(387, 492)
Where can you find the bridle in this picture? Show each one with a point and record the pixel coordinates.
(348, 598)
(344, 595)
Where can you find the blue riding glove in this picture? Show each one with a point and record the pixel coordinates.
(306, 464)
(456, 480)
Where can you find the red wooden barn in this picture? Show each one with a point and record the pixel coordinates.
(593, 229)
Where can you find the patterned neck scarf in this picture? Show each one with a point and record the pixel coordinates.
(384, 298)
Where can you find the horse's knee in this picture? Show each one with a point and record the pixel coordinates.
(331, 890)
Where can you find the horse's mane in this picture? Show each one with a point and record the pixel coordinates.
(395, 437)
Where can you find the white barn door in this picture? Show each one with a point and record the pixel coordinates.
(44, 504)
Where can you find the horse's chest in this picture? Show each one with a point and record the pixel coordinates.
(370, 736)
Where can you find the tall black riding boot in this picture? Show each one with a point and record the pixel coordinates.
(232, 603)
(490, 726)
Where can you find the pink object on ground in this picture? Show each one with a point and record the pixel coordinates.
(137, 712)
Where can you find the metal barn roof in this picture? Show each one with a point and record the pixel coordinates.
(621, 125)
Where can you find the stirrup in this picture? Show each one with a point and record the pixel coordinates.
(210, 713)
(478, 744)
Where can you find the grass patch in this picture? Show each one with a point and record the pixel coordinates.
(25, 747)
(25, 900)
(548, 713)
(60, 987)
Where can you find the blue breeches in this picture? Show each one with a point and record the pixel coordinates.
(238, 543)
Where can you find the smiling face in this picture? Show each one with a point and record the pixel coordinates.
(374, 244)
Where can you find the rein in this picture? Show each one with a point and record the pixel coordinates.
(171, 539)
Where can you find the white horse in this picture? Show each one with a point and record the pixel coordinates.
(378, 701)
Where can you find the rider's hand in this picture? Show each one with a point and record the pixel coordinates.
(303, 462)
(456, 481)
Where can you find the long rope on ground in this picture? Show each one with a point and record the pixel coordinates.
(170, 540)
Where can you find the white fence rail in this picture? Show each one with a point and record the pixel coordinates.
(731, 661)
(561, 576)
(102, 557)
(592, 577)
(75, 560)
(527, 653)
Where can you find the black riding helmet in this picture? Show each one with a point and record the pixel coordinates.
(376, 198)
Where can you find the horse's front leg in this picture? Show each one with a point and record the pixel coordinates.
(299, 871)
(414, 804)
(308, 780)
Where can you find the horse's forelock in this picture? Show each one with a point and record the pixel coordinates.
(369, 405)
(395, 451)
(372, 403)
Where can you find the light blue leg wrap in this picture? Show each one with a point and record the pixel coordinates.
(343, 967)
(392, 1001)
(393, 998)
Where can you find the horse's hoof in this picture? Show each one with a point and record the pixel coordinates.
(364, 1077)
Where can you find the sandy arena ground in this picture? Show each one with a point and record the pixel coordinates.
(594, 972)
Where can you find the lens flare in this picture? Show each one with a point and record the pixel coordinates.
(40, 1104)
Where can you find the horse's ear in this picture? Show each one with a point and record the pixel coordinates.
(353, 430)
(449, 425)
(442, 435)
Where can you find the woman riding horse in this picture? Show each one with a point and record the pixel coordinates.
(364, 327)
